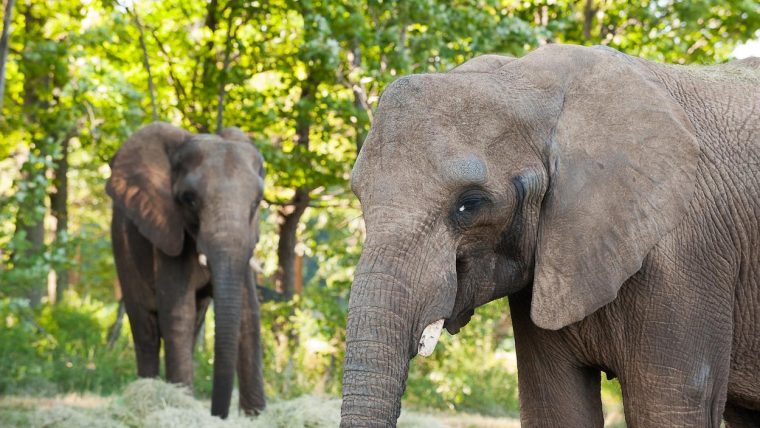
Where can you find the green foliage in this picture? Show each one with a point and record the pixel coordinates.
(61, 348)
(473, 371)
(301, 353)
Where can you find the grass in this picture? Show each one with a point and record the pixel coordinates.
(153, 403)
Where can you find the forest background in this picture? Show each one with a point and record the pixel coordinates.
(302, 78)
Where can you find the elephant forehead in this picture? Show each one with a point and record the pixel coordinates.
(428, 112)
(448, 91)
(463, 169)
(435, 128)
(228, 156)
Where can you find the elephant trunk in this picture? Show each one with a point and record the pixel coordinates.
(388, 310)
(377, 355)
(228, 273)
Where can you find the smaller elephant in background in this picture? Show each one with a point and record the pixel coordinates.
(184, 226)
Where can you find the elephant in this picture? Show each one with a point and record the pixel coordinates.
(184, 226)
(614, 201)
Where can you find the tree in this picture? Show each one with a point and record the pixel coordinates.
(8, 14)
(55, 108)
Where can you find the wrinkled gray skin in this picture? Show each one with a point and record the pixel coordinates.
(176, 195)
(616, 201)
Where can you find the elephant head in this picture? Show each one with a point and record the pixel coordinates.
(558, 171)
(177, 187)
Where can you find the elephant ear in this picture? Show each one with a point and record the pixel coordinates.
(622, 163)
(140, 184)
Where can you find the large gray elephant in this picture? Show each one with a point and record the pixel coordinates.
(614, 200)
(185, 223)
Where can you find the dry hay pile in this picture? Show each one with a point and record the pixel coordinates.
(153, 403)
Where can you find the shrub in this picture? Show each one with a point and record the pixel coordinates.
(61, 348)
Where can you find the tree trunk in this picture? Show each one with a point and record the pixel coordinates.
(299, 274)
(290, 216)
(361, 103)
(588, 18)
(30, 218)
(34, 231)
(59, 209)
(7, 19)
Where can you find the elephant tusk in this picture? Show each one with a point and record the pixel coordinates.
(430, 338)
(255, 265)
(202, 260)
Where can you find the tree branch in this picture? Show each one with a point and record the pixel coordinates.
(223, 76)
(151, 88)
(588, 17)
(361, 102)
(176, 83)
(312, 204)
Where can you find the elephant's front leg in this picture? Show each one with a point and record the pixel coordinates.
(176, 318)
(250, 375)
(555, 389)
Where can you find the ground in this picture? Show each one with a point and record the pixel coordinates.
(152, 403)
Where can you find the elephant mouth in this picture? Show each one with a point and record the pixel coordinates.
(455, 323)
(464, 303)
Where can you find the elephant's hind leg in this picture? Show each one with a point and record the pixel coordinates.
(250, 374)
(740, 417)
(202, 301)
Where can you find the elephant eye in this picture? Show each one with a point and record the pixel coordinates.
(468, 206)
(189, 199)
